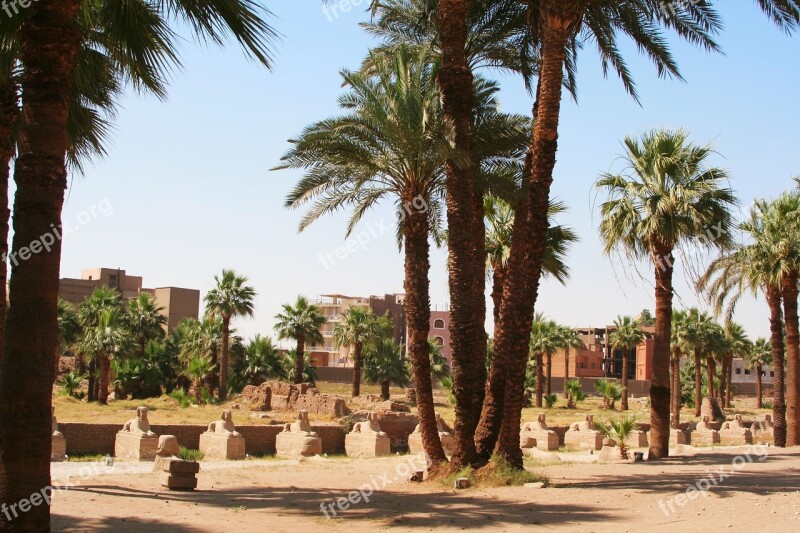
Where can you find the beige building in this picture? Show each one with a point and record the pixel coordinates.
(332, 307)
(178, 304)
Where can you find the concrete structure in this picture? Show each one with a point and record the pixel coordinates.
(180, 475)
(600, 360)
(733, 433)
(702, 434)
(178, 304)
(393, 305)
(332, 307)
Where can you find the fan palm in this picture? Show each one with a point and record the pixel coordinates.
(618, 431)
(69, 328)
(739, 345)
(105, 341)
(544, 342)
(204, 340)
(757, 266)
(300, 323)
(230, 297)
(760, 355)
(569, 340)
(626, 336)
(670, 199)
(575, 393)
(197, 370)
(50, 41)
(700, 328)
(680, 343)
(262, 361)
(357, 329)
(611, 391)
(144, 320)
(385, 363)
(89, 312)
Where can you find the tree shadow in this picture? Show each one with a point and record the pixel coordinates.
(74, 523)
(464, 509)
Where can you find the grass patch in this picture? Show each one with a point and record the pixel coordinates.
(191, 455)
(498, 473)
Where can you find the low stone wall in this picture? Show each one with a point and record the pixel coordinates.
(85, 438)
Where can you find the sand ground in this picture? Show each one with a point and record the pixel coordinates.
(286, 496)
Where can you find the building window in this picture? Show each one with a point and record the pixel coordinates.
(581, 365)
(746, 372)
(439, 341)
(738, 370)
(772, 374)
(438, 324)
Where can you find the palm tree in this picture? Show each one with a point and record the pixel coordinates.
(739, 345)
(569, 340)
(105, 341)
(756, 266)
(611, 391)
(300, 323)
(385, 363)
(89, 313)
(760, 355)
(50, 41)
(262, 361)
(230, 297)
(197, 370)
(69, 328)
(575, 393)
(201, 340)
(699, 336)
(440, 370)
(544, 342)
(357, 329)
(680, 342)
(559, 24)
(144, 320)
(671, 199)
(618, 431)
(626, 336)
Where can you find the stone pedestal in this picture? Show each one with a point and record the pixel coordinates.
(58, 448)
(367, 439)
(217, 446)
(297, 439)
(637, 439)
(445, 435)
(180, 475)
(763, 430)
(135, 447)
(700, 434)
(168, 450)
(583, 435)
(537, 434)
(609, 454)
(734, 433)
(676, 437)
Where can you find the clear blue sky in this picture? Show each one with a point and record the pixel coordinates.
(189, 182)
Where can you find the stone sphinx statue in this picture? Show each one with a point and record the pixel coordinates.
(583, 435)
(445, 436)
(366, 439)
(139, 425)
(537, 434)
(733, 433)
(224, 426)
(298, 439)
(58, 448)
(370, 426)
(136, 441)
(539, 425)
(701, 433)
(54, 421)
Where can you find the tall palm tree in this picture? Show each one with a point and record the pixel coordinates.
(301, 323)
(69, 328)
(700, 329)
(50, 41)
(385, 364)
(357, 329)
(89, 313)
(739, 345)
(144, 320)
(626, 336)
(756, 266)
(760, 355)
(670, 199)
(107, 340)
(681, 345)
(544, 342)
(569, 340)
(198, 339)
(262, 361)
(230, 297)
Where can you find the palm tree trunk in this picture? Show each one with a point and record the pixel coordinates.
(776, 338)
(566, 370)
(299, 361)
(385, 390)
(90, 385)
(789, 293)
(498, 278)
(8, 114)
(549, 374)
(49, 43)
(624, 402)
(223, 360)
(698, 381)
(467, 333)
(675, 392)
(759, 389)
(660, 383)
(710, 372)
(213, 377)
(103, 379)
(418, 314)
(559, 20)
(357, 370)
(729, 382)
(197, 387)
(539, 379)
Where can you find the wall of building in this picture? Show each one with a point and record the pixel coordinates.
(440, 333)
(179, 304)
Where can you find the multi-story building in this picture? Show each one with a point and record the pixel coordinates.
(178, 304)
(332, 307)
(743, 374)
(440, 333)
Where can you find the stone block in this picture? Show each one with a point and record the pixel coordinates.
(179, 466)
(178, 481)
(700, 434)
(582, 435)
(445, 436)
(676, 437)
(135, 447)
(367, 439)
(637, 439)
(297, 439)
(218, 446)
(733, 433)
(763, 430)
(58, 448)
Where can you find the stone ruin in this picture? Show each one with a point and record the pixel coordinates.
(297, 439)
(168, 450)
(175, 473)
(367, 440)
(583, 435)
(710, 408)
(398, 425)
(702, 434)
(58, 450)
(445, 435)
(135, 441)
(763, 430)
(538, 435)
(279, 396)
(733, 433)
(221, 440)
(638, 439)
(411, 397)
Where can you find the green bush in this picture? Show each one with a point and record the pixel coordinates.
(550, 400)
(191, 455)
(180, 396)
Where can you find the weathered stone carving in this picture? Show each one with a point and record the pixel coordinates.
(168, 450)
(445, 435)
(537, 434)
(734, 433)
(583, 435)
(701, 434)
(297, 438)
(763, 430)
(221, 440)
(367, 440)
(135, 441)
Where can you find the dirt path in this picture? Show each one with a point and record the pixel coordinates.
(276, 496)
